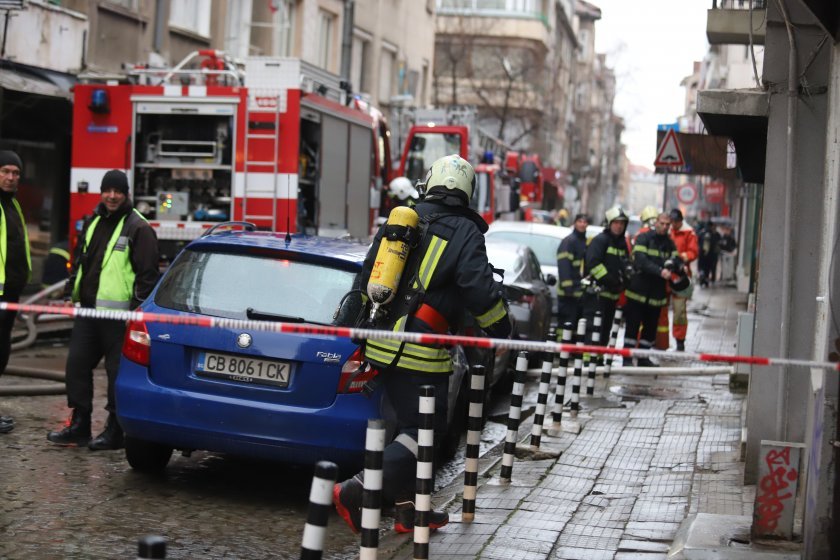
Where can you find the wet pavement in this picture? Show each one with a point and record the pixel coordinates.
(651, 451)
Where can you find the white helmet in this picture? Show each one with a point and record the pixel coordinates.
(616, 213)
(402, 188)
(452, 172)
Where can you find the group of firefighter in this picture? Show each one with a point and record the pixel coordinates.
(640, 275)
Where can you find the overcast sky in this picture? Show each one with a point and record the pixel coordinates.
(651, 45)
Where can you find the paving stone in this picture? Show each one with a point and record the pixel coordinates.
(640, 556)
(580, 461)
(645, 423)
(573, 553)
(653, 530)
(561, 469)
(617, 489)
(539, 520)
(527, 534)
(554, 507)
(548, 495)
(660, 509)
(630, 545)
(517, 549)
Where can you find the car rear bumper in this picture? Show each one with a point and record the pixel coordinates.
(191, 420)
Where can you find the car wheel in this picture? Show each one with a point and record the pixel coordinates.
(146, 456)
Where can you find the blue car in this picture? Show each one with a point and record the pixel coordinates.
(295, 398)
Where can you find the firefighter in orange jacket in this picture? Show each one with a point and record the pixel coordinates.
(686, 241)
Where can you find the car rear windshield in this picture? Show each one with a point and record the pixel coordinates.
(544, 246)
(226, 285)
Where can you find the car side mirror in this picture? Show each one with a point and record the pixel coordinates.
(551, 280)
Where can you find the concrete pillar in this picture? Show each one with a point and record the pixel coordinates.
(821, 502)
(778, 397)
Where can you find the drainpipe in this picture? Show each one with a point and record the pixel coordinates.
(793, 96)
(347, 40)
(160, 24)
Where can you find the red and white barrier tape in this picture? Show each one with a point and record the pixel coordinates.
(417, 338)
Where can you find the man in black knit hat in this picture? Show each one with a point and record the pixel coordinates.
(115, 267)
(14, 252)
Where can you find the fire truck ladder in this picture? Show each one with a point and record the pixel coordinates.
(257, 138)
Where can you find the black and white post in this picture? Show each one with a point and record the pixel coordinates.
(372, 493)
(477, 381)
(542, 399)
(320, 505)
(573, 425)
(513, 416)
(152, 547)
(593, 358)
(562, 370)
(425, 471)
(613, 342)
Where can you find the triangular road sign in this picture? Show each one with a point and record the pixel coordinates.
(669, 153)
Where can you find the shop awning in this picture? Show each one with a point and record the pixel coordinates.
(25, 80)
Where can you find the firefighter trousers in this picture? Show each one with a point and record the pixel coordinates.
(7, 322)
(640, 315)
(680, 316)
(400, 410)
(593, 303)
(90, 341)
(569, 310)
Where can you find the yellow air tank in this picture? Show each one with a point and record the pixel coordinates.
(390, 258)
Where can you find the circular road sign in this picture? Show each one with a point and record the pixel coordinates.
(687, 193)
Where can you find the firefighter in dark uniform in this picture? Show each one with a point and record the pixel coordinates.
(606, 267)
(570, 256)
(653, 262)
(446, 275)
(15, 259)
(115, 267)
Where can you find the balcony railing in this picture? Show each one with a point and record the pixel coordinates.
(531, 9)
(730, 22)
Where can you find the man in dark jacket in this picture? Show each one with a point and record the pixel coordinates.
(14, 252)
(115, 267)
(570, 256)
(606, 264)
(445, 276)
(647, 293)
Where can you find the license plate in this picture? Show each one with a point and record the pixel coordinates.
(243, 369)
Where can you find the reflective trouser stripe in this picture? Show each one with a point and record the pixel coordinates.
(635, 297)
(680, 317)
(408, 442)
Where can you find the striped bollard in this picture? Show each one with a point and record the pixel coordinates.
(372, 493)
(151, 547)
(320, 505)
(560, 391)
(613, 342)
(477, 379)
(578, 373)
(542, 399)
(425, 458)
(514, 415)
(593, 358)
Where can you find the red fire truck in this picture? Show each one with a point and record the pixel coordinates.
(276, 144)
(434, 133)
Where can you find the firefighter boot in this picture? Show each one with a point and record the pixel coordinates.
(7, 424)
(347, 497)
(681, 346)
(404, 518)
(77, 433)
(110, 438)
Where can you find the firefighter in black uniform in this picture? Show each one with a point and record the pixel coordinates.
(446, 275)
(606, 268)
(570, 255)
(653, 262)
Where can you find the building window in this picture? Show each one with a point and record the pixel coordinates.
(192, 15)
(285, 21)
(326, 28)
(386, 72)
(359, 71)
(127, 4)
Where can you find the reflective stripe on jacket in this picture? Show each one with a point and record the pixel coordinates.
(4, 244)
(649, 255)
(570, 256)
(449, 272)
(116, 281)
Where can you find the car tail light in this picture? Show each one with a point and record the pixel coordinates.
(137, 343)
(527, 298)
(355, 373)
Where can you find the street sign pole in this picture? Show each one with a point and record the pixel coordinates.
(665, 193)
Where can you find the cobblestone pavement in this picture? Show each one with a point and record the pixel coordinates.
(652, 450)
